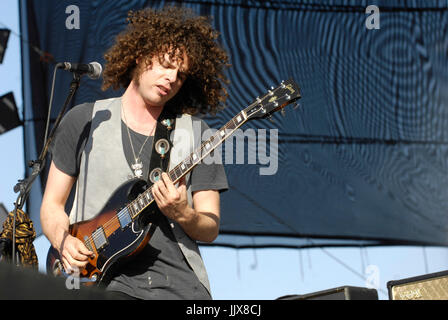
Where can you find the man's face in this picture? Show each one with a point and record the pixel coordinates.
(162, 80)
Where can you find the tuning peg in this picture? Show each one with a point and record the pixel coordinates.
(270, 119)
(283, 112)
(296, 105)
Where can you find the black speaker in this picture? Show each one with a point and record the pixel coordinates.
(22, 283)
(432, 286)
(339, 293)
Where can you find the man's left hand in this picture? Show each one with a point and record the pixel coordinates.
(171, 201)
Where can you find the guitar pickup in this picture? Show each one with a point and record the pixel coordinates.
(99, 238)
(124, 218)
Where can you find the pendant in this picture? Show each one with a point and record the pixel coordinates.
(137, 167)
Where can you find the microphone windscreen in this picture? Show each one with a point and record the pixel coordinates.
(97, 70)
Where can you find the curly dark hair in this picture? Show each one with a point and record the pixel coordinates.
(172, 30)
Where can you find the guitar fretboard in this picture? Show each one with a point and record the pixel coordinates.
(271, 102)
(275, 99)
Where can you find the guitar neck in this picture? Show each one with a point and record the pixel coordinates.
(207, 147)
(274, 100)
(139, 204)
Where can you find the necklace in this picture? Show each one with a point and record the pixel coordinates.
(137, 166)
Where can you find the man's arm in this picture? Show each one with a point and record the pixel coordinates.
(200, 223)
(55, 222)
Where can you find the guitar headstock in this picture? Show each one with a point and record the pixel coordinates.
(274, 100)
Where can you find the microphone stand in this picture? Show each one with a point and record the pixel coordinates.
(24, 186)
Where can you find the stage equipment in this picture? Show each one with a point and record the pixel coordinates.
(432, 286)
(92, 69)
(9, 117)
(4, 36)
(339, 293)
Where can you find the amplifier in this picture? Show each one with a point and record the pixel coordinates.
(432, 286)
(339, 293)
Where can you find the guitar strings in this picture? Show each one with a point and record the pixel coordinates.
(106, 226)
(200, 150)
(95, 236)
(122, 212)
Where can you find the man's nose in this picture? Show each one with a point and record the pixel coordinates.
(171, 75)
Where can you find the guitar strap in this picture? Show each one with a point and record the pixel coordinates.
(161, 150)
(161, 147)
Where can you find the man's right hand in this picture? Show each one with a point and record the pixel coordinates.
(74, 254)
(55, 222)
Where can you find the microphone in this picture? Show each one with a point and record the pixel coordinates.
(92, 69)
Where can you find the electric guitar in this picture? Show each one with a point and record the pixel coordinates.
(123, 227)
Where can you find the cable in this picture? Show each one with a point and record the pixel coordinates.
(50, 105)
(45, 56)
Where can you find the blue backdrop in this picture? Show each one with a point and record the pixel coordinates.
(362, 161)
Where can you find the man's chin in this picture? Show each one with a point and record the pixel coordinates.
(154, 101)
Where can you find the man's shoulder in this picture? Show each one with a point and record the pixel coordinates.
(87, 107)
(80, 110)
(201, 121)
(83, 112)
(78, 117)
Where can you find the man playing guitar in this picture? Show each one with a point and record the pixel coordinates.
(166, 60)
